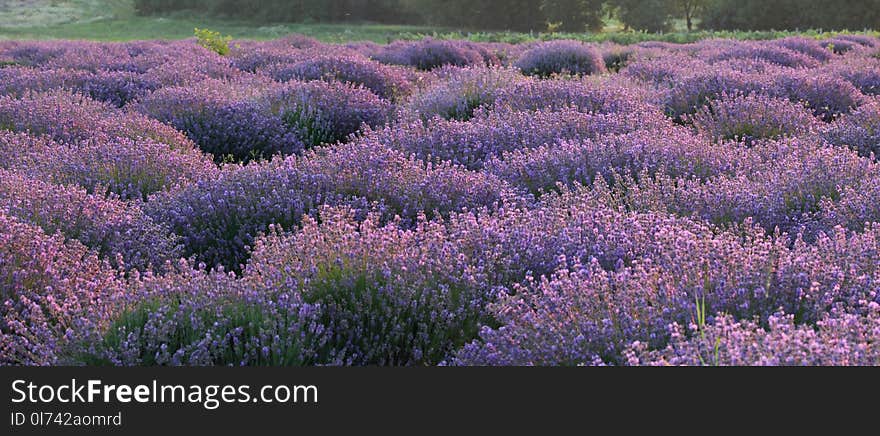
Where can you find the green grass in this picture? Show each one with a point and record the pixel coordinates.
(137, 27)
(115, 20)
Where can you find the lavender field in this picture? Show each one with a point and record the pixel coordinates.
(431, 202)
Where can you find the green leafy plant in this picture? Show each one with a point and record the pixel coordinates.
(213, 41)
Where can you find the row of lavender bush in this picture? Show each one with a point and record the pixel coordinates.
(440, 202)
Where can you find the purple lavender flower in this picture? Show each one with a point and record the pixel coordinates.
(56, 296)
(750, 117)
(561, 57)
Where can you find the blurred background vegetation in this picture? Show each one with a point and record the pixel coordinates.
(622, 21)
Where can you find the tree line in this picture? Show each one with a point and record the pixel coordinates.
(552, 15)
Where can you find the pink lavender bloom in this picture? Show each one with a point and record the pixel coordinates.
(131, 169)
(839, 339)
(118, 231)
(71, 118)
(57, 297)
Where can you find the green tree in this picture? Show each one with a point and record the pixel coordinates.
(575, 15)
(689, 9)
(646, 15)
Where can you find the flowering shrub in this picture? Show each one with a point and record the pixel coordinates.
(114, 87)
(785, 184)
(774, 54)
(191, 317)
(807, 46)
(490, 133)
(71, 118)
(585, 95)
(429, 54)
(110, 226)
(56, 295)
(320, 112)
(459, 92)
(223, 118)
(751, 117)
(219, 219)
(859, 130)
(425, 202)
(861, 72)
(387, 296)
(386, 82)
(827, 95)
(675, 152)
(688, 93)
(131, 169)
(841, 339)
(561, 57)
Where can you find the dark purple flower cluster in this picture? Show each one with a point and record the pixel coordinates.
(324, 113)
(224, 118)
(691, 89)
(561, 57)
(429, 54)
(828, 96)
(387, 296)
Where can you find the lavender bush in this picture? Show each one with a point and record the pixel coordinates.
(440, 202)
(561, 57)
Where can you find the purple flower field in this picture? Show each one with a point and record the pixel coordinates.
(440, 203)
